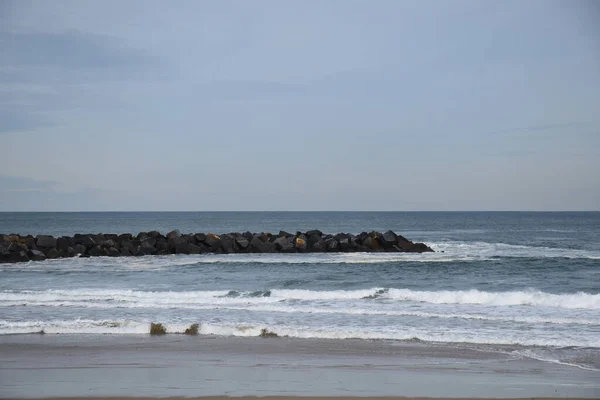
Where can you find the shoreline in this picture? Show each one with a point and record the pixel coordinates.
(179, 366)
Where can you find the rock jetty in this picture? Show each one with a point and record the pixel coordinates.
(17, 248)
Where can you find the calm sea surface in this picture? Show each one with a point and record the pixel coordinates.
(523, 283)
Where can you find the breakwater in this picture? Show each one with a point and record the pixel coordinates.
(17, 248)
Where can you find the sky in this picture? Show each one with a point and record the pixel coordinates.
(299, 105)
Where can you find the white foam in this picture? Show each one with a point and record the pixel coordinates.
(134, 298)
(248, 329)
(513, 298)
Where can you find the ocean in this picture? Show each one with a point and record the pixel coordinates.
(525, 284)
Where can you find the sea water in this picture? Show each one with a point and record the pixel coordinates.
(523, 283)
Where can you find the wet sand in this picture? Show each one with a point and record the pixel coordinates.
(178, 366)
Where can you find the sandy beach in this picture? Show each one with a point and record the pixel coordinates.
(84, 366)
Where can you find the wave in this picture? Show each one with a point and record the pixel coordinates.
(133, 298)
(249, 329)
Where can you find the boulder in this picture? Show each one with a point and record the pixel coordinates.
(228, 244)
(173, 233)
(29, 242)
(64, 242)
(314, 232)
(182, 247)
(194, 249)
(319, 246)
(200, 237)
(144, 250)
(52, 253)
(85, 240)
(80, 249)
(113, 252)
(46, 241)
(154, 234)
(300, 244)
(258, 246)
(389, 238)
(142, 236)
(176, 242)
(162, 247)
(123, 237)
(332, 245)
(71, 252)
(95, 251)
(213, 241)
(99, 239)
(345, 244)
(420, 248)
(242, 242)
(36, 255)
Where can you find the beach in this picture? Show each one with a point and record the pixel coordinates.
(507, 306)
(40, 366)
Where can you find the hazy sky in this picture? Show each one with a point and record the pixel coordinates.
(299, 105)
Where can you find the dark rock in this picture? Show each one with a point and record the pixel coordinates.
(284, 244)
(142, 236)
(371, 243)
(80, 249)
(155, 234)
(345, 244)
(190, 238)
(127, 244)
(149, 242)
(64, 242)
(162, 247)
(212, 240)
(314, 232)
(332, 245)
(389, 238)
(110, 243)
(46, 241)
(319, 246)
(144, 250)
(258, 246)
(242, 242)
(182, 247)
(85, 240)
(113, 252)
(99, 239)
(194, 249)
(404, 244)
(123, 237)
(420, 248)
(177, 242)
(95, 251)
(52, 253)
(126, 252)
(29, 242)
(71, 252)
(36, 255)
(200, 237)
(228, 244)
(173, 233)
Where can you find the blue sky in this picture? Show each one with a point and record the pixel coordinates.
(299, 105)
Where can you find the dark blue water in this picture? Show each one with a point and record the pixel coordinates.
(530, 280)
